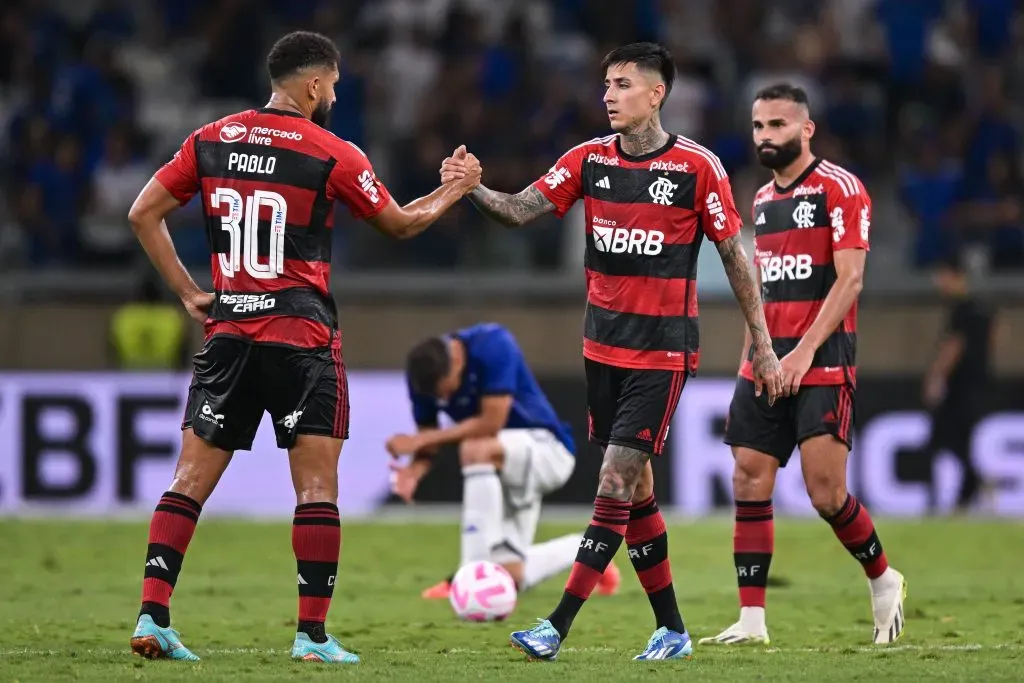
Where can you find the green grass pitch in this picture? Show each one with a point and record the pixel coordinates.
(69, 593)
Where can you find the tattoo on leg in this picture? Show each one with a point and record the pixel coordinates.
(621, 471)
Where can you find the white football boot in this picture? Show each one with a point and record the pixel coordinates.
(749, 630)
(888, 592)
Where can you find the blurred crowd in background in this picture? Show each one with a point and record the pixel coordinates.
(915, 96)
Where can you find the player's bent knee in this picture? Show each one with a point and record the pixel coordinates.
(827, 495)
(753, 475)
(644, 487)
(199, 467)
(484, 451)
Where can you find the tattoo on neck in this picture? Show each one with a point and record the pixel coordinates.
(645, 138)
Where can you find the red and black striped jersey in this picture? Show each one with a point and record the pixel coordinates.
(797, 231)
(646, 217)
(268, 181)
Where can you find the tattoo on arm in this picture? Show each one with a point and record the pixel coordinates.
(747, 292)
(621, 472)
(511, 209)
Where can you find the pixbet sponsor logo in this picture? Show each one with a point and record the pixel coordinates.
(669, 166)
(601, 159)
(805, 190)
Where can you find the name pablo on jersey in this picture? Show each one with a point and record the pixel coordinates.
(268, 179)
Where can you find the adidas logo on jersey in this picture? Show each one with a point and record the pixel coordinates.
(760, 219)
(604, 183)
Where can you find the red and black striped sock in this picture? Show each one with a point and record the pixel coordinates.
(598, 546)
(647, 540)
(170, 531)
(753, 542)
(855, 530)
(316, 540)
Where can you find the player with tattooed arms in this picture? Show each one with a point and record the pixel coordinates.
(650, 199)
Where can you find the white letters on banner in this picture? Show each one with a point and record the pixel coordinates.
(702, 463)
(101, 444)
(89, 444)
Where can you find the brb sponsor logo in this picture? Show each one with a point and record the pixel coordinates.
(369, 185)
(713, 203)
(785, 267)
(557, 176)
(614, 240)
(248, 303)
(601, 159)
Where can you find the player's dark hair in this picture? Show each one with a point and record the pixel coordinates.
(300, 50)
(646, 56)
(427, 363)
(783, 91)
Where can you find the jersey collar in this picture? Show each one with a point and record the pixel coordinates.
(801, 178)
(280, 112)
(650, 155)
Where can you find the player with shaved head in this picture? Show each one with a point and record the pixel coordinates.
(812, 224)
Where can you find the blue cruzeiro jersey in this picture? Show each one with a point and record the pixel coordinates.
(494, 366)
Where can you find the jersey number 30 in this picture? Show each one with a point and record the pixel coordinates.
(244, 252)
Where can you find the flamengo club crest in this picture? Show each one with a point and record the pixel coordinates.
(803, 215)
(662, 190)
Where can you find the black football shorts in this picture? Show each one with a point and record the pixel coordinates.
(778, 429)
(235, 381)
(630, 407)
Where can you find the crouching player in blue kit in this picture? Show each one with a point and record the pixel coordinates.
(513, 449)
